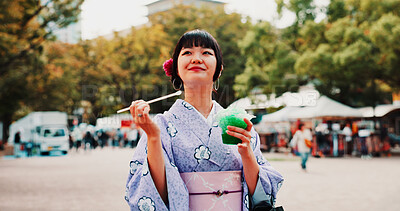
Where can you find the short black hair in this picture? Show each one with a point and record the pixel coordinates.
(300, 126)
(196, 38)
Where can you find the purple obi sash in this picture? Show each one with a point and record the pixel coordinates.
(217, 190)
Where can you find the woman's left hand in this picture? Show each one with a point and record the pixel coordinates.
(244, 148)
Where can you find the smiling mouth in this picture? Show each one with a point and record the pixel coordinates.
(196, 69)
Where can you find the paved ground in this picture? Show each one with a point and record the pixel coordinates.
(96, 181)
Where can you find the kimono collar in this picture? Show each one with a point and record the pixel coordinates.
(187, 114)
(211, 115)
(180, 104)
(185, 117)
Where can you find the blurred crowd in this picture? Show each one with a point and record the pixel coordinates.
(87, 137)
(357, 138)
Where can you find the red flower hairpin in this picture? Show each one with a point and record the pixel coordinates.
(168, 67)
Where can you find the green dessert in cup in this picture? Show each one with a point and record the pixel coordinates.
(232, 116)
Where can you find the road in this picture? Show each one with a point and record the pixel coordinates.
(96, 181)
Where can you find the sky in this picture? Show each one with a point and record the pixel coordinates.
(101, 17)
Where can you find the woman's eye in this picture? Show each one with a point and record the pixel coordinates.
(208, 52)
(186, 53)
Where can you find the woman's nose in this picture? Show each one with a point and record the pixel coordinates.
(196, 59)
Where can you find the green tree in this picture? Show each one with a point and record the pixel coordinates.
(354, 60)
(385, 35)
(140, 55)
(269, 64)
(304, 10)
(113, 72)
(25, 25)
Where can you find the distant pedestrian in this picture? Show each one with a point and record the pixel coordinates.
(364, 134)
(299, 139)
(348, 133)
(321, 132)
(29, 147)
(120, 138)
(103, 137)
(71, 141)
(133, 137)
(356, 140)
(77, 136)
(88, 140)
(17, 144)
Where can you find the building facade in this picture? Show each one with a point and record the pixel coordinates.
(164, 5)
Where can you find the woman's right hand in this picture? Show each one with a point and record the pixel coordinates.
(140, 113)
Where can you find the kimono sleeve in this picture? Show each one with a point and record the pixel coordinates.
(270, 179)
(141, 193)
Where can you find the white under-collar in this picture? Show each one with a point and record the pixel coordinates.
(211, 115)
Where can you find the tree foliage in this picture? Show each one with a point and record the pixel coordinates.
(25, 26)
(351, 56)
(269, 64)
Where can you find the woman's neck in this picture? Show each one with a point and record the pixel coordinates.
(200, 97)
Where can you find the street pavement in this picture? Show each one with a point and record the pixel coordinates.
(96, 181)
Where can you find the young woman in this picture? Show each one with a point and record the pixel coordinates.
(299, 139)
(186, 141)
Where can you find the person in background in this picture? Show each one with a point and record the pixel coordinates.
(70, 141)
(364, 133)
(88, 140)
(335, 128)
(29, 147)
(299, 140)
(17, 144)
(103, 137)
(321, 132)
(347, 136)
(77, 137)
(354, 130)
(133, 137)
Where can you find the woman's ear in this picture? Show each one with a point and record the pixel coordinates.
(220, 72)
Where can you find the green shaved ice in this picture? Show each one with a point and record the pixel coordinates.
(228, 139)
(231, 120)
(232, 117)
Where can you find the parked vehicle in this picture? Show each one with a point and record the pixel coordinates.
(47, 130)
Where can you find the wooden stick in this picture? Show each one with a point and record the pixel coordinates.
(154, 100)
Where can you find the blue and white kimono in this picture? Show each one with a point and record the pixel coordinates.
(190, 144)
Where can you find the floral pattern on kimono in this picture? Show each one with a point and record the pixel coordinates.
(190, 145)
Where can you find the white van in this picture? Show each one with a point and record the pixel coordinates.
(46, 129)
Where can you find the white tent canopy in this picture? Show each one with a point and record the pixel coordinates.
(325, 107)
(281, 115)
(306, 97)
(379, 111)
(322, 107)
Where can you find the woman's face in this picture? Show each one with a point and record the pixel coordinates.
(196, 65)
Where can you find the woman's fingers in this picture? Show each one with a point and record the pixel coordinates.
(240, 136)
(244, 148)
(141, 115)
(137, 110)
(239, 130)
(146, 111)
(141, 118)
(240, 133)
(134, 105)
(132, 108)
(249, 124)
